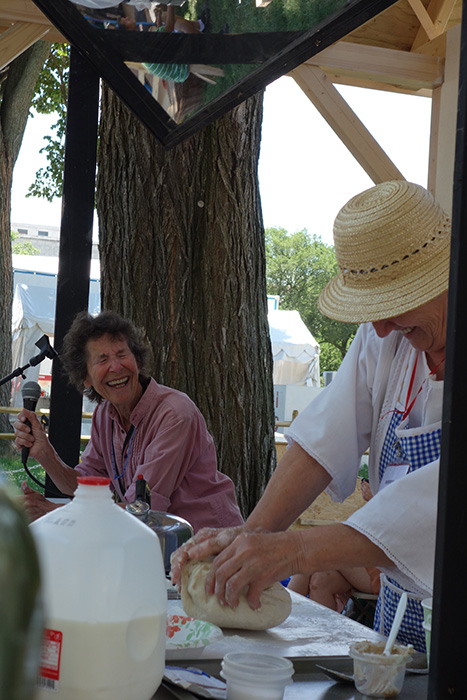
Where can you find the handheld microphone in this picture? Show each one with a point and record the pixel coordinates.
(31, 393)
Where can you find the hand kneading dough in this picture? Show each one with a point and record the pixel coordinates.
(276, 603)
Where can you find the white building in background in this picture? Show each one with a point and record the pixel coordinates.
(45, 238)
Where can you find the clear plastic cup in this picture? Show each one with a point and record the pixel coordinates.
(259, 676)
(375, 674)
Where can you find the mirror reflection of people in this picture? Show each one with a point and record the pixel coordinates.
(138, 427)
(165, 20)
(166, 17)
(392, 244)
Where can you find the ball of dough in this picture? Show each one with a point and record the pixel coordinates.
(275, 607)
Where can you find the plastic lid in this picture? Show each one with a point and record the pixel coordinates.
(94, 480)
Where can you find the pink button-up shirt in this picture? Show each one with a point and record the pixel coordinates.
(173, 450)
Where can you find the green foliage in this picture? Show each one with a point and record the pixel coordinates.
(50, 98)
(22, 247)
(298, 267)
(363, 470)
(330, 357)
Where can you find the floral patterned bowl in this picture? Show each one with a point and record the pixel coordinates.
(185, 632)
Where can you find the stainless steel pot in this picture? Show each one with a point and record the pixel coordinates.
(171, 530)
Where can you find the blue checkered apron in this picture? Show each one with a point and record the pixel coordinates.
(418, 447)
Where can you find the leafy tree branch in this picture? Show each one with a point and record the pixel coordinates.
(298, 267)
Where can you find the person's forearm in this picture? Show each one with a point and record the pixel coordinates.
(170, 19)
(295, 484)
(64, 477)
(334, 547)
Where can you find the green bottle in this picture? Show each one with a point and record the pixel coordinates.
(21, 612)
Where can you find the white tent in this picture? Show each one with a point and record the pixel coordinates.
(35, 286)
(295, 352)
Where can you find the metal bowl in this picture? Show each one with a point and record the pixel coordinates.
(172, 530)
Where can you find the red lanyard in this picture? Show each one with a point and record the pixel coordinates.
(409, 406)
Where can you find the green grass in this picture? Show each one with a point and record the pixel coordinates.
(13, 472)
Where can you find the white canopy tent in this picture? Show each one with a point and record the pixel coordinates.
(295, 352)
(35, 287)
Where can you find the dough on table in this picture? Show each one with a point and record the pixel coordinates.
(275, 607)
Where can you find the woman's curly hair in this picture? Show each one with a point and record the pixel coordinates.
(86, 327)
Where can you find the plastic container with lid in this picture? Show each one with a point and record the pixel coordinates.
(105, 600)
(259, 676)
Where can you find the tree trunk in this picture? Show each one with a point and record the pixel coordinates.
(182, 255)
(18, 91)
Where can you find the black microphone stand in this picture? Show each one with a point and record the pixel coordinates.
(46, 350)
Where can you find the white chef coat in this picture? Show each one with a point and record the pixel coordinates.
(350, 416)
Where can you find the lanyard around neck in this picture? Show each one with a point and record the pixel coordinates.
(128, 441)
(408, 403)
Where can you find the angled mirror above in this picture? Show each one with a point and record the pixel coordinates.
(180, 66)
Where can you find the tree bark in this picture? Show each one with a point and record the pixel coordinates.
(182, 255)
(18, 90)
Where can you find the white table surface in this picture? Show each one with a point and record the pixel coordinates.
(310, 630)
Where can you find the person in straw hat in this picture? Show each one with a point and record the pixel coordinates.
(392, 244)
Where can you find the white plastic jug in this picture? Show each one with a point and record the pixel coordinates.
(105, 600)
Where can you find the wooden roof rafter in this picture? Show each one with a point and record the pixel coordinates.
(362, 65)
(345, 123)
(19, 37)
(433, 20)
(409, 58)
(25, 12)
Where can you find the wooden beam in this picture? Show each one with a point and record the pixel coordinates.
(424, 18)
(375, 85)
(442, 11)
(18, 38)
(439, 13)
(412, 71)
(343, 120)
(434, 139)
(21, 11)
(12, 11)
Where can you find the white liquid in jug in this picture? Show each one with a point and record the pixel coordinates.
(102, 661)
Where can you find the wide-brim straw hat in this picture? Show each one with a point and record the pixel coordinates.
(392, 244)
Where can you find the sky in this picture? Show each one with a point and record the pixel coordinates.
(305, 172)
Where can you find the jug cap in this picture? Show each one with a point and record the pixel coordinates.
(94, 480)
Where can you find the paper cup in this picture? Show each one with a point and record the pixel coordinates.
(427, 629)
(427, 606)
